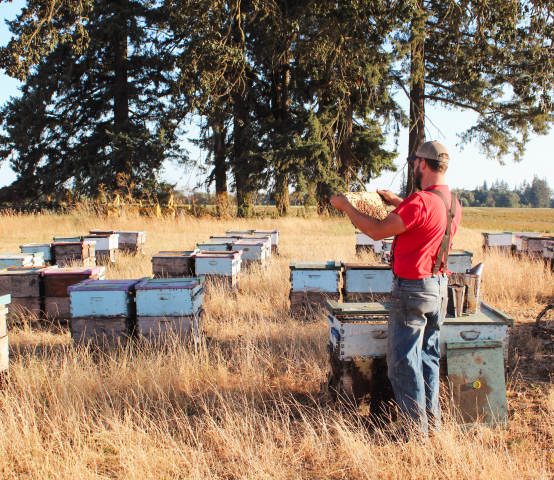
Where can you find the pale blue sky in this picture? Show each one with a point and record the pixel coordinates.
(468, 168)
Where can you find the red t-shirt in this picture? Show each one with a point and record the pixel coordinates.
(416, 249)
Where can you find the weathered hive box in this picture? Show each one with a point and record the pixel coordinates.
(518, 239)
(364, 281)
(502, 241)
(75, 254)
(253, 251)
(358, 336)
(367, 244)
(45, 248)
(532, 245)
(274, 239)
(25, 286)
(4, 343)
(169, 306)
(312, 284)
(102, 310)
(106, 246)
(173, 264)
(224, 266)
(459, 260)
(56, 282)
(17, 260)
(548, 253)
(132, 242)
(76, 238)
(214, 246)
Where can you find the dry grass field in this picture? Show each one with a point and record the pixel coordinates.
(248, 403)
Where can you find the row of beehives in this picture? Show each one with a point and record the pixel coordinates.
(79, 250)
(222, 256)
(532, 244)
(313, 283)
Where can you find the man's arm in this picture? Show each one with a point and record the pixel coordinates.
(392, 225)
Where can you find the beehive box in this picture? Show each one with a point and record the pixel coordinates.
(548, 253)
(367, 282)
(75, 254)
(358, 336)
(532, 245)
(173, 264)
(106, 246)
(218, 263)
(253, 251)
(502, 241)
(274, 239)
(232, 233)
(102, 311)
(366, 244)
(168, 305)
(518, 238)
(459, 260)
(76, 238)
(56, 282)
(17, 260)
(312, 284)
(224, 238)
(132, 241)
(24, 284)
(5, 300)
(45, 248)
(214, 246)
(107, 232)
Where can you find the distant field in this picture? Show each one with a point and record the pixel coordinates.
(509, 219)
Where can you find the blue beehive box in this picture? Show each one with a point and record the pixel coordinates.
(363, 280)
(102, 298)
(17, 260)
(172, 297)
(45, 248)
(315, 276)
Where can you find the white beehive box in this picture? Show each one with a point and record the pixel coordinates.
(253, 250)
(217, 263)
(160, 297)
(45, 248)
(107, 232)
(316, 276)
(274, 235)
(367, 278)
(502, 239)
(104, 242)
(102, 298)
(518, 237)
(459, 260)
(362, 329)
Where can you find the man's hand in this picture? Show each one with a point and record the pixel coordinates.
(390, 198)
(340, 202)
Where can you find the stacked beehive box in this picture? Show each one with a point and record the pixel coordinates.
(548, 253)
(500, 242)
(459, 261)
(254, 252)
(367, 282)
(169, 306)
(45, 248)
(312, 284)
(222, 266)
(102, 311)
(22, 260)
(173, 264)
(365, 244)
(24, 284)
(531, 245)
(215, 246)
(107, 246)
(75, 254)
(56, 282)
(518, 241)
(4, 344)
(274, 239)
(131, 241)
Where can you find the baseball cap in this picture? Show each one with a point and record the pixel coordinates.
(431, 150)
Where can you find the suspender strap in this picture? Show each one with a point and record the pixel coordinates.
(442, 257)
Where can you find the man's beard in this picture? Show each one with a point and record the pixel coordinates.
(417, 177)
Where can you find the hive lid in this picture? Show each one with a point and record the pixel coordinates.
(129, 231)
(537, 237)
(239, 232)
(458, 252)
(216, 242)
(188, 253)
(5, 299)
(25, 270)
(98, 235)
(334, 265)
(367, 266)
(102, 232)
(266, 231)
(169, 283)
(357, 309)
(75, 271)
(30, 245)
(496, 233)
(75, 238)
(84, 242)
(92, 285)
(226, 254)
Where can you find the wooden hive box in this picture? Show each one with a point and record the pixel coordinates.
(274, 239)
(312, 284)
(518, 239)
(45, 248)
(76, 238)
(173, 264)
(170, 305)
(367, 282)
(224, 238)
(106, 246)
(214, 246)
(548, 253)
(459, 260)
(56, 282)
(5, 300)
(226, 264)
(16, 260)
(75, 253)
(532, 245)
(107, 232)
(132, 241)
(102, 311)
(502, 241)
(253, 251)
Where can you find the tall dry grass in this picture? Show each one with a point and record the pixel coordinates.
(248, 402)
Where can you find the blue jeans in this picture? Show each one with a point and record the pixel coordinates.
(417, 311)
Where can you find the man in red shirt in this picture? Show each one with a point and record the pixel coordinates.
(423, 225)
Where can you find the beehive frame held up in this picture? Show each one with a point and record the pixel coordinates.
(370, 203)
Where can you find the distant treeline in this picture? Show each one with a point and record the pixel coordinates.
(536, 194)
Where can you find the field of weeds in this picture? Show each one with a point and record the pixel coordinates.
(248, 402)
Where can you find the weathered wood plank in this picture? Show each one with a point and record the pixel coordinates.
(26, 306)
(57, 308)
(100, 330)
(25, 284)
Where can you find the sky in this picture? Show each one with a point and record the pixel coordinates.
(468, 168)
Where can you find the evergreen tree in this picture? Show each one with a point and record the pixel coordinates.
(89, 115)
(540, 193)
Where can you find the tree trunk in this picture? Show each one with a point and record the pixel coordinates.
(281, 194)
(220, 166)
(240, 164)
(323, 195)
(417, 91)
(345, 149)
